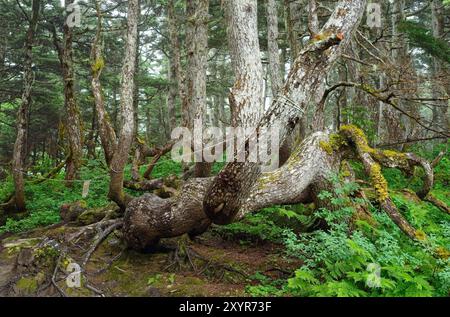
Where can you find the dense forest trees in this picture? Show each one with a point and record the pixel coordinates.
(91, 92)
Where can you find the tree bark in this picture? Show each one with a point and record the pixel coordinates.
(313, 21)
(241, 187)
(197, 62)
(393, 118)
(272, 47)
(149, 218)
(440, 108)
(73, 120)
(120, 156)
(106, 130)
(175, 59)
(232, 186)
(22, 116)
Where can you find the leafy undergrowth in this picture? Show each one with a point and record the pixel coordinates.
(282, 250)
(45, 199)
(366, 257)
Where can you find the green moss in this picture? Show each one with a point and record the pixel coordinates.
(345, 169)
(326, 147)
(27, 285)
(334, 143)
(98, 65)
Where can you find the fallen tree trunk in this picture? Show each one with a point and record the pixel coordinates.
(149, 218)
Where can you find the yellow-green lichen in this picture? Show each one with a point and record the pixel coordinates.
(98, 65)
(379, 182)
(334, 143)
(345, 169)
(326, 147)
(386, 157)
(357, 136)
(420, 235)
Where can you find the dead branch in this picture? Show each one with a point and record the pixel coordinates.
(116, 225)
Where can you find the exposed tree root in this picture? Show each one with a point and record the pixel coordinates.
(437, 202)
(116, 225)
(185, 257)
(182, 255)
(55, 272)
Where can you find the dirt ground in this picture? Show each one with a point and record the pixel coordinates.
(207, 266)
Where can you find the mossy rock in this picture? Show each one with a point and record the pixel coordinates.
(70, 212)
(26, 286)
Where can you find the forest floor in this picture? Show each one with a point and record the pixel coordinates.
(219, 267)
(278, 251)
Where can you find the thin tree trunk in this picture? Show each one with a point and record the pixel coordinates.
(106, 130)
(197, 60)
(313, 21)
(176, 59)
(171, 95)
(125, 141)
(22, 117)
(73, 120)
(440, 108)
(393, 118)
(272, 47)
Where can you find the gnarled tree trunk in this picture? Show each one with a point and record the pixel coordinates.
(229, 194)
(232, 186)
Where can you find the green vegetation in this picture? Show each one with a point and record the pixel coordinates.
(421, 37)
(358, 256)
